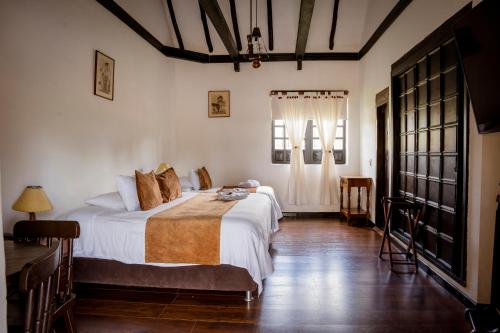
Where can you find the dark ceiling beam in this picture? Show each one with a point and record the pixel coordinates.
(211, 7)
(386, 23)
(168, 51)
(306, 11)
(174, 24)
(178, 53)
(120, 13)
(334, 23)
(273, 57)
(236, 29)
(205, 29)
(270, 24)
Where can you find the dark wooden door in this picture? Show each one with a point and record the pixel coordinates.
(383, 144)
(429, 120)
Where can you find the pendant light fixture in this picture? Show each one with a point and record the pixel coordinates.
(257, 50)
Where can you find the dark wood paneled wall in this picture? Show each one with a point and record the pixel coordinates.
(430, 147)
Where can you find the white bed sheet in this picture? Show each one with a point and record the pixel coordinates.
(246, 231)
(276, 213)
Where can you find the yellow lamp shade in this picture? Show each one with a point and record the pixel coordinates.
(32, 200)
(162, 167)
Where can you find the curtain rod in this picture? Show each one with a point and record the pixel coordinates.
(275, 92)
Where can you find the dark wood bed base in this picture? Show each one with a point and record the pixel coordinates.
(197, 277)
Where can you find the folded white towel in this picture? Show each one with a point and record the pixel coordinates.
(232, 194)
(249, 183)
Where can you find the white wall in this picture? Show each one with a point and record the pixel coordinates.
(419, 19)
(239, 147)
(53, 131)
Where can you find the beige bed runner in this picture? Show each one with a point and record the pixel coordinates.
(249, 189)
(188, 232)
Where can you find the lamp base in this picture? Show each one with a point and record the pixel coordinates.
(32, 216)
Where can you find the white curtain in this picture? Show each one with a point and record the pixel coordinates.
(328, 109)
(295, 110)
(291, 109)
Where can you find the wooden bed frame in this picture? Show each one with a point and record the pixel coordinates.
(197, 277)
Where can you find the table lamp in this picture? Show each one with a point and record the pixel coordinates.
(32, 200)
(162, 167)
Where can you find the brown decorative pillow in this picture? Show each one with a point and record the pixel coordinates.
(205, 180)
(148, 190)
(170, 186)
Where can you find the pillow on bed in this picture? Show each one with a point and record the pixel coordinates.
(170, 185)
(148, 190)
(195, 180)
(186, 184)
(111, 200)
(128, 191)
(205, 181)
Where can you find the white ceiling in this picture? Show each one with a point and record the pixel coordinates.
(357, 20)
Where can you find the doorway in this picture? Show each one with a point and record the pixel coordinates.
(383, 144)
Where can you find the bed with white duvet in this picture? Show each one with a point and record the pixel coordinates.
(246, 231)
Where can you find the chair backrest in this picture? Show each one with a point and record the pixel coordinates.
(37, 282)
(44, 232)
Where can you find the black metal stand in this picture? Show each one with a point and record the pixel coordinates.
(412, 211)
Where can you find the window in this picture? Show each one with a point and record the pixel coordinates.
(311, 146)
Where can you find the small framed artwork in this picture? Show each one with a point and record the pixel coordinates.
(218, 104)
(104, 76)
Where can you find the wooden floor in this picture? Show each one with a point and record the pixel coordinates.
(327, 279)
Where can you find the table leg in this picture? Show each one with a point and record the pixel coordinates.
(348, 205)
(367, 204)
(341, 198)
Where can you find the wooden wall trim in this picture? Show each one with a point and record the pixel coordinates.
(382, 97)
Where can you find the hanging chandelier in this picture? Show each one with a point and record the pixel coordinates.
(257, 50)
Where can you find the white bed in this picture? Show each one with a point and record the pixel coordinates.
(246, 231)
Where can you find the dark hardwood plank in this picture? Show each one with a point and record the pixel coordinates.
(202, 327)
(334, 23)
(210, 313)
(305, 16)
(119, 308)
(96, 323)
(327, 279)
(213, 300)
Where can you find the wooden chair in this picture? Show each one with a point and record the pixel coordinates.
(44, 232)
(36, 284)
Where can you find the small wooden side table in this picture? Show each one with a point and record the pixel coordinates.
(349, 182)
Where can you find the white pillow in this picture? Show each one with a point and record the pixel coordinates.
(195, 179)
(128, 191)
(111, 200)
(186, 184)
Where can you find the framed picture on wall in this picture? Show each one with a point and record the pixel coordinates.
(218, 104)
(104, 76)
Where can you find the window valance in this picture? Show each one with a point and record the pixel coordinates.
(309, 103)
